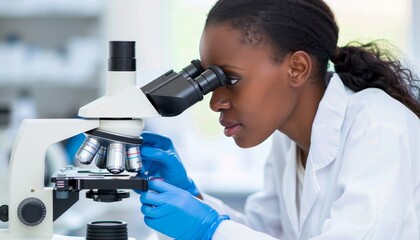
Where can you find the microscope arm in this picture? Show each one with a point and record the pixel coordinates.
(28, 162)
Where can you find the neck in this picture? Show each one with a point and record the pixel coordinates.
(299, 125)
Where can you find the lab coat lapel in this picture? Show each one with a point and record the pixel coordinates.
(289, 188)
(309, 193)
(325, 141)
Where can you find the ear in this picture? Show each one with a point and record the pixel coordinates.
(300, 68)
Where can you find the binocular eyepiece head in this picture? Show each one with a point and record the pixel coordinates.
(172, 93)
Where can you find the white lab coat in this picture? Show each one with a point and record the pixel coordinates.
(362, 178)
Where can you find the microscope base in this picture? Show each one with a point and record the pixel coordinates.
(6, 235)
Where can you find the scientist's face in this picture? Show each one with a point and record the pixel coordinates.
(261, 100)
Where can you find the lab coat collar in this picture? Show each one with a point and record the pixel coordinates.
(325, 141)
(326, 128)
(289, 182)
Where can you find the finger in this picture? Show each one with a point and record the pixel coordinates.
(161, 186)
(156, 140)
(154, 212)
(148, 220)
(161, 193)
(151, 198)
(149, 168)
(158, 155)
(139, 191)
(151, 222)
(153, 153)
(159, 223)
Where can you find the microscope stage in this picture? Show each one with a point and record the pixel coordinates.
(75, 179)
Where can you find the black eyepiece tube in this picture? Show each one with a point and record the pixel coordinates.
(192, 70)
(211, 79)
(122, 56)
(173, 93)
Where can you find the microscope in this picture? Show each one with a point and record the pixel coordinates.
(112, 125)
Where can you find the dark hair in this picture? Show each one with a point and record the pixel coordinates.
(309, 25)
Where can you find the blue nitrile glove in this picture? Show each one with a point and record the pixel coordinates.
(177, 214)
(160, 159)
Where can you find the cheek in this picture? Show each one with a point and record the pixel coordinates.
(266, 106)
(272, 99)
(277, 104)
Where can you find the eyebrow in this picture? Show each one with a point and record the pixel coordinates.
(231, 66)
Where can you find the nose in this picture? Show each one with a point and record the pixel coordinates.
(219, 100)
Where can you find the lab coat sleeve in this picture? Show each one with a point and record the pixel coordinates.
(235, 228)
(260, 207)
(223, 209)
(238, 225)
(262, 218)
(376, 183)
(230, 230)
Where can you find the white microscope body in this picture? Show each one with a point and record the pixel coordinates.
(123, 100)
(115, 116)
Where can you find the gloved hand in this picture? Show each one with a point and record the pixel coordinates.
(177, 214)
(160, 159)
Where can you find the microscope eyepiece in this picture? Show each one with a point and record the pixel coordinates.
(193, 70)
(122, 56)
(211, 79)
(172, 93)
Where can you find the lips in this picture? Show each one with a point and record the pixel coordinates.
(231, 128)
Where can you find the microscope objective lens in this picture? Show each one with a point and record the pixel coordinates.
(133, 162)
(116, 158)
(87, 150)
(100, 158)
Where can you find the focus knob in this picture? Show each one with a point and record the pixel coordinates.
(31, 211)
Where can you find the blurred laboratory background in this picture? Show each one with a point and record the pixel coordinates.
(53, 57)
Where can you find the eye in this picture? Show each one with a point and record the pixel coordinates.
(232, 80)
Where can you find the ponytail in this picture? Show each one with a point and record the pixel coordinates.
(362, 66)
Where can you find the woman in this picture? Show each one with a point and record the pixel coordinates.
(345, 158)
